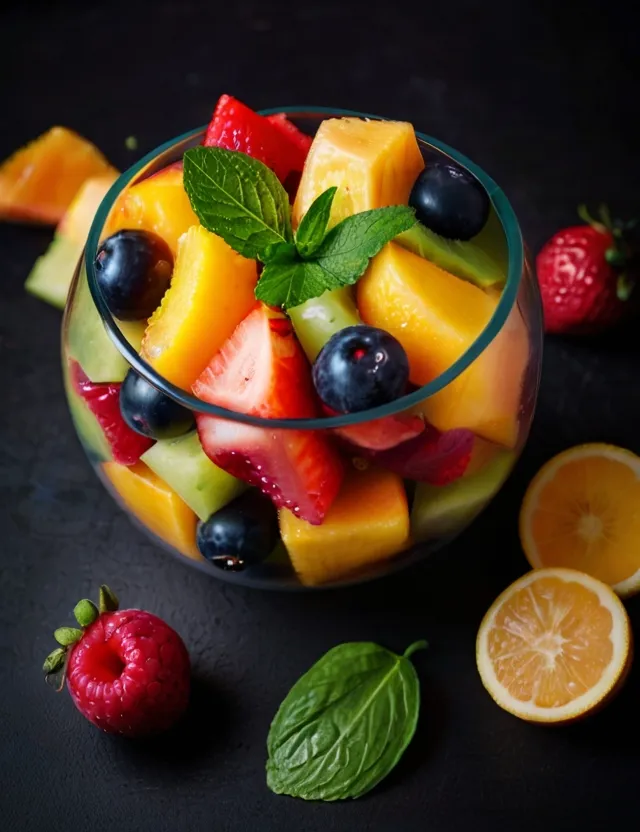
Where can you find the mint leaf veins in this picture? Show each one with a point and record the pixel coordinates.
(238, 198)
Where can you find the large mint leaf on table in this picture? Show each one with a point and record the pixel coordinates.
(238, 198)
(345, 724)
(348, 247)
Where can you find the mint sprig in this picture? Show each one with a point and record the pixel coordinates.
(313, 226)
(241, 200)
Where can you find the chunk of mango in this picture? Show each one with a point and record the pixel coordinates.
(155, 505)
(159, 204)
(212, 290)
(436, 317)
(368, 523)
(372, 163)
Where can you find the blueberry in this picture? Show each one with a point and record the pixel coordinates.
(134, 271)
(450, 201)
(150, 412)
(241, 534)
(360, 367)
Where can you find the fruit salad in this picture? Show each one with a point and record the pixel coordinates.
(314, 354)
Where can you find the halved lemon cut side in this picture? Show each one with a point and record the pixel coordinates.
(555, 645)
(582, 511)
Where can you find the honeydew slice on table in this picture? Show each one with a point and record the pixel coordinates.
(367, 524)
(52, 273)
(555, 646)
(156, 505)
(159, 204)
(211, 292)
(373, 164)
(436, 316)
(39, 181)
(582, 511)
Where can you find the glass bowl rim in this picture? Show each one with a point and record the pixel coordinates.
(515, 250)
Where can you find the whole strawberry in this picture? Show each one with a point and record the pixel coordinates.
(127, 671)
(586, 275)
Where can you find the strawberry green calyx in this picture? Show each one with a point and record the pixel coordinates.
(55, 660)
(67, 635)
(108, 601)
(621, 254)
(85, 612)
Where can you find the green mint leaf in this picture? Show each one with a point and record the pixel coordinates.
(313, 225)
(280, 253)
(238, 198)
(345, 724)
(290, 284)
(348, 247)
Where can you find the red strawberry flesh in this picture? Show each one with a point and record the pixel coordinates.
(129, 674)
(262, 371)
(298, 142)
(103, 400)
(381, 434)
(433, 457)
(235, 126)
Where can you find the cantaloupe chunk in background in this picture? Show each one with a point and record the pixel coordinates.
(51, 275)
(39, 181)
(372, 163)
(436, 317)
(367, 523)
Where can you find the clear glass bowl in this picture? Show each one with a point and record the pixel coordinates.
(499, 371)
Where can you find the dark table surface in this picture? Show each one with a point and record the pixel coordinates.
(537, 95)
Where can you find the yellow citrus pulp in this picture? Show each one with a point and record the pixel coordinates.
(554, 645)
(582, 511)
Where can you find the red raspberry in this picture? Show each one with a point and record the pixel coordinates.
(129, 673)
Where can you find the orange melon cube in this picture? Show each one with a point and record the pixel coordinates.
(212, 290)
(372, 163)
(159, 204)
(155, 505)
(39, 181)
(366, 524)
(436, 317)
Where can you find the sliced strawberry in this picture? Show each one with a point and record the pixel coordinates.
(433, 457)
(299, 142)
(103, 400)
(382, 434)
(261, 370)
(235, 126)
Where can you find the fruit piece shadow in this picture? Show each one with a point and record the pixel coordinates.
(204, 729)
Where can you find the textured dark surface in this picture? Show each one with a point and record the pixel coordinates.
(538, 98)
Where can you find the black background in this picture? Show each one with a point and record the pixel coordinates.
(542, 95)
